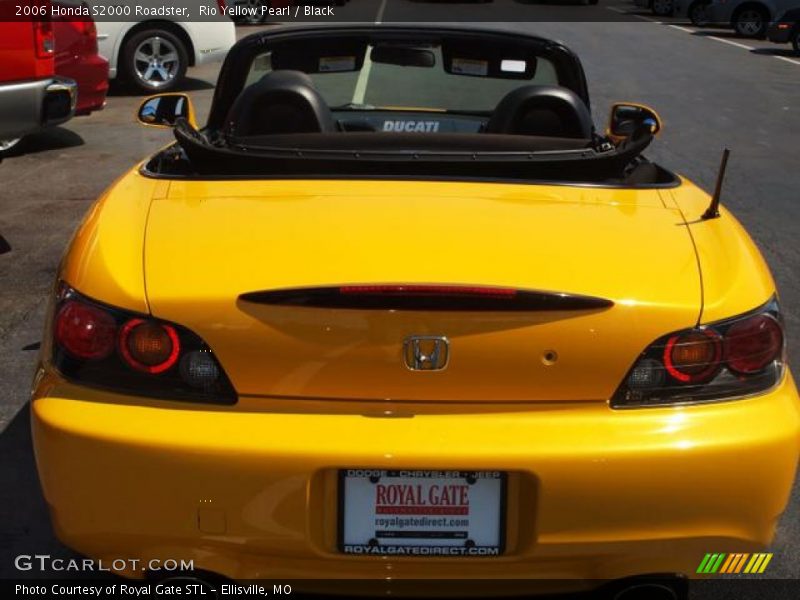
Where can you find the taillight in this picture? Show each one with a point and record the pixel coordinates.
(108, 347)
(753, 343)
(693, 356)
(85, 331)
(43, 37)
(729, 359)
(425, 297)
(149, 346)
(87, 28)
(222, 5)
(429, 290)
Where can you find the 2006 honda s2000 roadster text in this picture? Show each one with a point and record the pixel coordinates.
(399, 312)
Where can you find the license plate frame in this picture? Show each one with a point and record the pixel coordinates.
(486, 477)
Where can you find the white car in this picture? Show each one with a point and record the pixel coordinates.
(152, 55)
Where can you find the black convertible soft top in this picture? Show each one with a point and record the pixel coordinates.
(278, 125)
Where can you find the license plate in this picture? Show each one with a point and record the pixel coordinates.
(421, 513)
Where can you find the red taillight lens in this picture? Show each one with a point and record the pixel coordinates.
(753, 343)
(149, 346)
(85, 331)
(44, 38)
(693, 357)
(222, 5)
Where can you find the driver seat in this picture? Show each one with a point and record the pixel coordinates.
(282, 101)
(542, 110)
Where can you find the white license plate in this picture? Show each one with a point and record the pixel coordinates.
(421, 513)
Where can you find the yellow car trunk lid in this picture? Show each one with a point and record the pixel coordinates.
(208, 243)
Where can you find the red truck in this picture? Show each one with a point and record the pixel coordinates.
(49, 70)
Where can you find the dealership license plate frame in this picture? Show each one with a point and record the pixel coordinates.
(502, 502)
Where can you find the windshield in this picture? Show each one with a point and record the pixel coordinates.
(469, 83)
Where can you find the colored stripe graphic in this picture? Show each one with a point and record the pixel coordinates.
(726, 566)
(704, 564)
(755, 562)
(711, 563)
(736, 563)
(715, 567)
(763, 566)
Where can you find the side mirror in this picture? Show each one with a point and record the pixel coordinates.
(164, 109)
(627, 118)
(4, 245)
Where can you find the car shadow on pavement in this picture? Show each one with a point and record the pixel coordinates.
(53, 138)
(728, 34)
(785, 51)
(189, 84)
(24, 520)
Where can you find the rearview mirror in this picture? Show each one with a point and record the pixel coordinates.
(403, 56)
(627, 118)
(163, 110)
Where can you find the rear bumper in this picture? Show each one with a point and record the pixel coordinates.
(250, 491)
(778, 35)
(28, 106)
(91, 75)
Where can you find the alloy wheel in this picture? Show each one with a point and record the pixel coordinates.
(156, 61)
(6, 145)
(750, 23)
(256, 18)
(697, 14)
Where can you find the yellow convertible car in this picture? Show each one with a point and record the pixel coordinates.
(400, 312)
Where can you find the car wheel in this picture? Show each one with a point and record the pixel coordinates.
(7, 145)
(662, 8)
(254, 19)
(154, 60)
(751, 21)
(697, 13)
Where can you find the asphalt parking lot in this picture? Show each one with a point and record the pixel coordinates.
(712, 90)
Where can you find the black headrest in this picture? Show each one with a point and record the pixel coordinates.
(542, 110)
(280, 102)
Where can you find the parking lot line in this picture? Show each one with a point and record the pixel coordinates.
(692, 32)
(360, 90)
(731, 42)
(381, 10)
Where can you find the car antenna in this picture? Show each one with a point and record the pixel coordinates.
(712, 212)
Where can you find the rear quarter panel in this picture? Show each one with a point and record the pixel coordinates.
(104, 258)
(735, 277)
